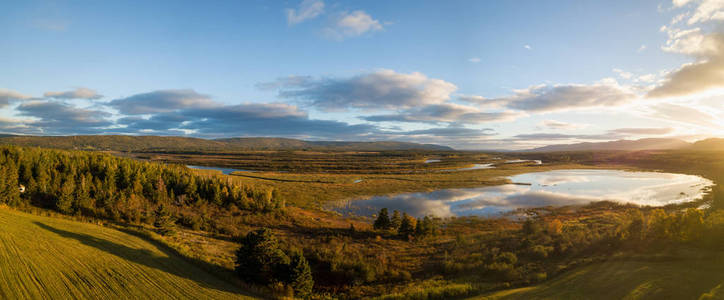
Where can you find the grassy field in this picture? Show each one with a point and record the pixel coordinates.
(679, 273)
(50, 258)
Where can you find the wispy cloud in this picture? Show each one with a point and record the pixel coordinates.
(559, 125)
(79, 93)
(307, 9)
(352, 24)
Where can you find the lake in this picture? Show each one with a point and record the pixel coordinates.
(225, 171)
(539, 189)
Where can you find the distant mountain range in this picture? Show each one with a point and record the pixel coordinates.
(622, 145)
(172, 143)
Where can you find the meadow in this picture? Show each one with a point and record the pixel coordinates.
(52, 258)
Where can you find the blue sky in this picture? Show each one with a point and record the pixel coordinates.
(470, 74)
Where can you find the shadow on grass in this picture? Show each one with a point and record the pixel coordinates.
(169, 264)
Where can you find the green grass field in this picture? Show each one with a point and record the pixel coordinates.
(681, 273)
(50, 258)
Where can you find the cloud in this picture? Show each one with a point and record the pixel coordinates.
(704, 74)
(553, 124)
(307, 9)
(79, 93)
(352, 24)
(18, 126)
(708, 10)
(447, 112)
(61, 118)
(544, 98)
(474, 60)
(642, 131)
(250, 119)
(641, 49)
(528, 47)
(7, 96)
(707, 49)
(560, 136)
(384, 89)
(452, 132)
(161, 101)
(683, 114)
(623, 74)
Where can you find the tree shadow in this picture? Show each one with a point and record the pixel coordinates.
(169, 264)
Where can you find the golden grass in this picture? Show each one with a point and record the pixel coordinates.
(678, 273)
(50, 258)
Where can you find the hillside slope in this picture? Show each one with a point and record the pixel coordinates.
(48, 258)
(175, 143)
(677, 274)
(620, 145)
(710, 144)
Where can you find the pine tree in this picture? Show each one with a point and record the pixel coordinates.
(64, 202)
(428, 227)
(260, 259)
(300, 275)
(407, 226)
(383, 220)
(165, 221)
(395, 221)
(418, 227)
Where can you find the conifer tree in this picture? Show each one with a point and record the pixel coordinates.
(407, 226)
(383, 220)
(300, 275)
(165, 221)
(395, 221)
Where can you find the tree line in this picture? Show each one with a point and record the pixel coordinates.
(101, 185)
(405, 225)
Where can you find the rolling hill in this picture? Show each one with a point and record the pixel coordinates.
(679, 273)
(49, 258)
(128, 143)
(294, 144)
(711, 144)
(620, 145)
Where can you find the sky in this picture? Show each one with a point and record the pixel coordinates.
(476, 75)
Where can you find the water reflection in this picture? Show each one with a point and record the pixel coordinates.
(225, 171)
(551, 188)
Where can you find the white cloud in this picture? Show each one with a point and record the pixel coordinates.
(623, 74)
(352, 24)
(79, 93)
(559, 125)
(162, 101)
(641, 49)
(707, 48)
(7, 96)
(708, 10)
(474, 60)
(546, 98)
(383, 89)
(527, 47)
(307, 9)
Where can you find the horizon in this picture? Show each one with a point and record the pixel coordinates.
(373, 141)
(468, 75)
